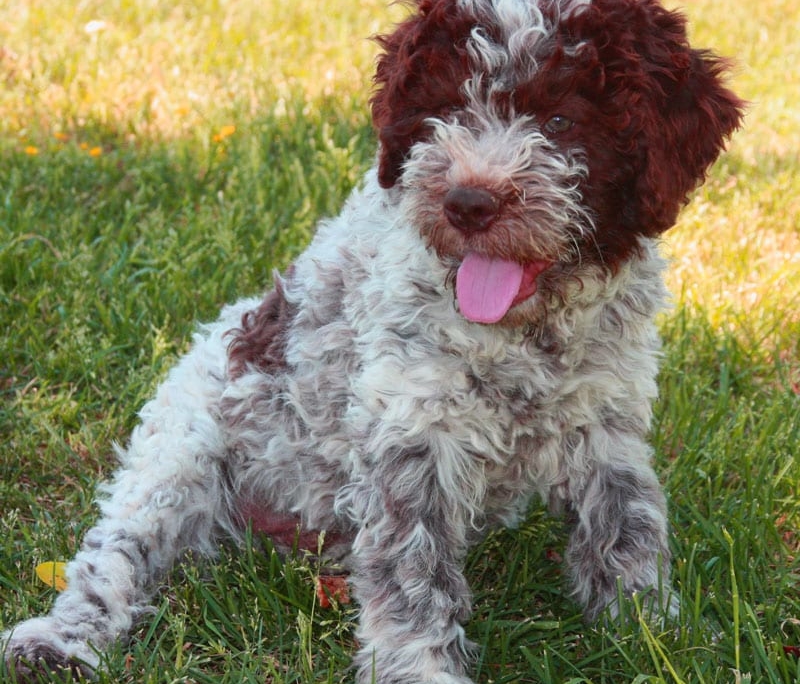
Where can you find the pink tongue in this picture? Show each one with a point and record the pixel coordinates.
(486, 287)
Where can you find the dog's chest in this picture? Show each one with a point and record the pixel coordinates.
(379, 363)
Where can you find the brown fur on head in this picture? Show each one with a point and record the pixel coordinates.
(649, 113)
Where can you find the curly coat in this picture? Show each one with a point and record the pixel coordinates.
(475, 329)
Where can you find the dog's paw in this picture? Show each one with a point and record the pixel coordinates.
(658, 609)
(390, 676)
(432, 678)
(42, 645)
(446, 678)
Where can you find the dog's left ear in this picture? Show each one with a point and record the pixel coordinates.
(419, 75)
(690, 115)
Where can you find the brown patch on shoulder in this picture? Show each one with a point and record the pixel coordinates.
(260, 342)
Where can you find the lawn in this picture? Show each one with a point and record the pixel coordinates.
(160, 159)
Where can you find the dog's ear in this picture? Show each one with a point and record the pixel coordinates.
(419, 75)
(667, 104)
(687, 116)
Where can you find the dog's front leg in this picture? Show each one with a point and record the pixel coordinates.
(619, 541)
(408, 574)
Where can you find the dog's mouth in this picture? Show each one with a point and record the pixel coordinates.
(487, 288)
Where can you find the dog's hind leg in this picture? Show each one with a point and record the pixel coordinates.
(167, 498)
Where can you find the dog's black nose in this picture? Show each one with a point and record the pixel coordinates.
(471, 210)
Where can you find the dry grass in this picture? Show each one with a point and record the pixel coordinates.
(736, 249)
(167, 69)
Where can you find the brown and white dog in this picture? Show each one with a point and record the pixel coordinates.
(473, 330)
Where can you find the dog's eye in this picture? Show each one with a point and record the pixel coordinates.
(558, 124)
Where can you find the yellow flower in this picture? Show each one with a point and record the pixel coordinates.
(96, 151)
(32, 150)
(224, 132)
(61, 137)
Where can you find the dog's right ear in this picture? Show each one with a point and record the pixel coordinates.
(419, 75)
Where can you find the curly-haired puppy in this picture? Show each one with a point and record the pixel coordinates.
(475, 329)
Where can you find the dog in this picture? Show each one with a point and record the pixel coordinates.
(473, 331)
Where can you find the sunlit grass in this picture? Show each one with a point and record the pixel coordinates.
(167, 69)
(736, 249)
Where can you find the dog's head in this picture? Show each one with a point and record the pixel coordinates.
(528, 133)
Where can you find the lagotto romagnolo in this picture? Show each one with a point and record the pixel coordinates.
(473, 331)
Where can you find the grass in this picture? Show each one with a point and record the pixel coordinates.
(160, 159)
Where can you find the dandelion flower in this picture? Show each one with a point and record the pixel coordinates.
(224, 132)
